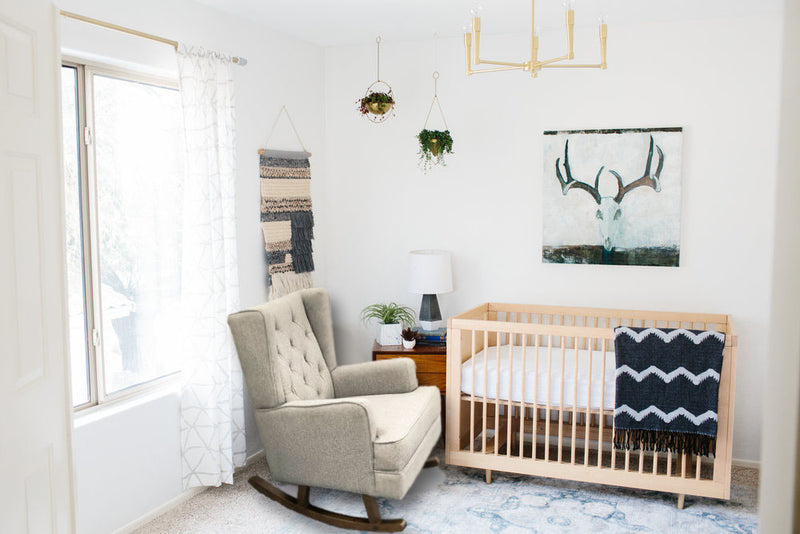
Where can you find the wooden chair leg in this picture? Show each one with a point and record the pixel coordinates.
(302, 496)
(681, 501)
(301, 505)
(488, 476)
(373, 512)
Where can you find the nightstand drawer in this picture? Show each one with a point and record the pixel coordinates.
(426, 363)
(432, 379)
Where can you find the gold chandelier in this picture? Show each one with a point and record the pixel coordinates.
(534, 65)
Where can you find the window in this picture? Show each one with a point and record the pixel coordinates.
(123, 170)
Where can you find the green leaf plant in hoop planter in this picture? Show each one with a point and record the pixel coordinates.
(434, 144)
(378, 102)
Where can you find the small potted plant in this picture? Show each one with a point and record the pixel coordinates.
(433, 145)
(376, 103)
(409, 338)
(392, 318)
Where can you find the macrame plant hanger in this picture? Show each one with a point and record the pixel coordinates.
(434, 144)
(435, 84)
(291, 123)
(435, 101)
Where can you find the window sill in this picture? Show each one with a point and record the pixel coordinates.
(160, 387)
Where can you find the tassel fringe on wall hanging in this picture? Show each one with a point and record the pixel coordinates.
(287, 220)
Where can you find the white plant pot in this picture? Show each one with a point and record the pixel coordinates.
(409, 344)
(390, 334)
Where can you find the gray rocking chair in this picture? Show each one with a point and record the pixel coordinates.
(366, 428)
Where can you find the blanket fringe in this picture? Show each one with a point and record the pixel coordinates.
(662, 441)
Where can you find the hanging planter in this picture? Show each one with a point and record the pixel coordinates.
(378, 102)
(434, 144)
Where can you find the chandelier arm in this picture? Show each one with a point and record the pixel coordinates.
(498, 69)
(584, 66)
(539, 64)
(503, 63)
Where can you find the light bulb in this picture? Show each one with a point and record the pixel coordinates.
(466, 28)
(603, 19)
(569, 5)
(476, 11)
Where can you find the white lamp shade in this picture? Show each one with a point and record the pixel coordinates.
(430, 272)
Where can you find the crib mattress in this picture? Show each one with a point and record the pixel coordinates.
(602, 380)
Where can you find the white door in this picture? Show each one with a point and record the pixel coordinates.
(35, 456)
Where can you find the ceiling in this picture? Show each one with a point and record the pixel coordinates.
(350, 22)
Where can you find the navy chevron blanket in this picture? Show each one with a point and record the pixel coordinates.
(667, 384)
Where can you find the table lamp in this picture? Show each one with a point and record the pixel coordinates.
(430, 273)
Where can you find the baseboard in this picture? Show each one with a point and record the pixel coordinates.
(167, 506)
(175, 501)
(752, 464)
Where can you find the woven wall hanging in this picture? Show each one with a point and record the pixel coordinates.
(287, 220)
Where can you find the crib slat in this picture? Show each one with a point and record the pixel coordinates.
(575, 403)
(684, 461)
(697, 475)
(485, 388)
(669, 463)
(641, 457)
(509, 410)
(547, 409)
(522, 398)
(536, 337)
(561, 400)
(497, 396)
(655, 462)
(602, 406)
(472, 400)
(588, 404)
(627, 460)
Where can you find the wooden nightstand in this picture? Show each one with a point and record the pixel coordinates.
(431, 364)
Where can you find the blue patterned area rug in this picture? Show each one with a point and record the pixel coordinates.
(457, 500)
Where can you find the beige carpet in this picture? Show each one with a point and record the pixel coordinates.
(457, 500)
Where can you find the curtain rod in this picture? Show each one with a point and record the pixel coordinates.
(174, 44)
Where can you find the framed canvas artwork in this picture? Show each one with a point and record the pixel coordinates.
(612, 196)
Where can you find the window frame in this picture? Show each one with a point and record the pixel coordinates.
(87, 169)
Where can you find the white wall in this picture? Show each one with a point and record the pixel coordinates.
(117, 482)
(717, 79)
(780, 474)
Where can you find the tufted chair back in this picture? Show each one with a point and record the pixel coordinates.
(286, 348)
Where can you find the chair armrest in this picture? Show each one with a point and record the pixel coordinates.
(322, 443)
(397, 375)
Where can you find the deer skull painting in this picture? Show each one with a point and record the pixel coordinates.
(628, 210)
(609, 210)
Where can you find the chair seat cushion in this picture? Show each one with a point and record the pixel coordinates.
(401, 421)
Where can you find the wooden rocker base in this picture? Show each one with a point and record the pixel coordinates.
(301, 505)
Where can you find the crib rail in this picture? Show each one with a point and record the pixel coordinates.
(502, 416)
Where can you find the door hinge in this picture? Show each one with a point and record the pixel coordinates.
(95, 337)
(88, 138)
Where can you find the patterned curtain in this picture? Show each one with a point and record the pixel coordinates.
(212, 402)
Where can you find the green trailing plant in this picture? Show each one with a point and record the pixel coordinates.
(433, 145)
(381, 103)
(409, 335)
(391, 313)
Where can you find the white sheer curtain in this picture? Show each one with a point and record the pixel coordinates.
(212, 404)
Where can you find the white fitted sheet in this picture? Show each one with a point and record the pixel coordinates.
(603, 382)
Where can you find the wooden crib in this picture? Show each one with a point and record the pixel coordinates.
(530, 391)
